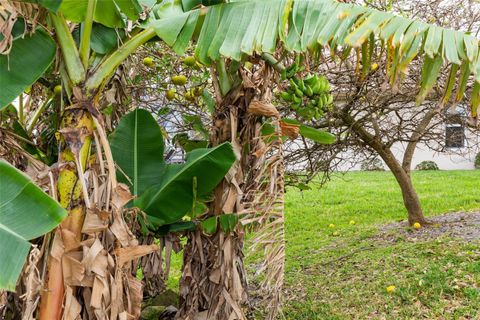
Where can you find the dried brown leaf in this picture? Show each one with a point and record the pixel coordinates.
(125, 255)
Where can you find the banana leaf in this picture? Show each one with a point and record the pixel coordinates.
(27, 61)
(26, 213)
(166, 192)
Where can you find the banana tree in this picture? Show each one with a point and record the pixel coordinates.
(137, 147)
(234, 31)
(89, 269)
(230, 33)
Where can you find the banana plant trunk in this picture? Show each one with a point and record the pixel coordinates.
(93, 255)
(213, 284)
(214, 280)
(75, 140)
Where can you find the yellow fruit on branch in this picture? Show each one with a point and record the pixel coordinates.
(179, 80)
(189, 61)
(148, 61)
(374, 66)
(57, 90)
(170, 95)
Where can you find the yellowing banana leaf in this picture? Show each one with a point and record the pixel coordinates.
(246, 27)
(26, 213)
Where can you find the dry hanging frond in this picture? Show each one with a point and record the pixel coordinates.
(290, 130)
(259, 108)
(264, 213)
(10, 11)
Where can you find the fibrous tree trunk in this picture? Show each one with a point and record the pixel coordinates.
(93, 254)
(214, 284)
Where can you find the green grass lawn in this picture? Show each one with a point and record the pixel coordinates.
(344, 276)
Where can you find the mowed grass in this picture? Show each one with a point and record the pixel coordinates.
(342, 272)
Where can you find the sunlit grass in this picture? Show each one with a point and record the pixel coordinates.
(345, 276)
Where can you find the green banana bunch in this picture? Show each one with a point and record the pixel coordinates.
(310, 97)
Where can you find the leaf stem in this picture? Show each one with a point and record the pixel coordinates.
(109, 65)
(21, 117)
(87, 32)
(73, 64)
(270, 59)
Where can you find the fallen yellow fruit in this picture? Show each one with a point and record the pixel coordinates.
(391, 289)
(335, 233)
(331, 225)
(374, 66)
(417, 225)
(352, 222)
(189, 61)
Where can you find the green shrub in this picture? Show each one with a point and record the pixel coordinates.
(477, 161)
(427, 165)
(372, 165)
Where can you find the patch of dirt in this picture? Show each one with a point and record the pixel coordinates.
(463, 225)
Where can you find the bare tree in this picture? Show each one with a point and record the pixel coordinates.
(370, 121)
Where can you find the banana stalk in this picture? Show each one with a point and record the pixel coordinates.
(75, 142)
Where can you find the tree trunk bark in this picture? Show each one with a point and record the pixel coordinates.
(410, 197)
(213, 283)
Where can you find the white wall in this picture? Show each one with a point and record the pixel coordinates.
(454, 159)
(451, 159)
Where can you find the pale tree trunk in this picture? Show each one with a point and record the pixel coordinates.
(401, 173)
(410, 197)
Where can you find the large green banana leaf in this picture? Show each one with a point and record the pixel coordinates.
(29, 58)
(244, 27)
(137, 147)
(51, 5)
(182, 184)
(26, 212)
(166, 192)
(107, 12)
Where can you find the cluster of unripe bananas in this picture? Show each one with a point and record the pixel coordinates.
(310, 97)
